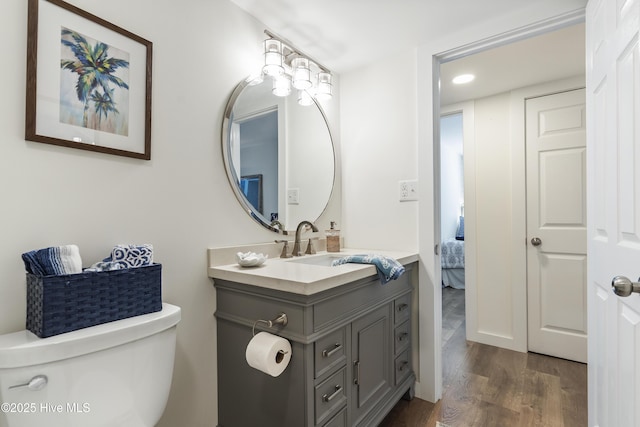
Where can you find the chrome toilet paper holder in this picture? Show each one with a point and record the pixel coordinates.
(282, 319)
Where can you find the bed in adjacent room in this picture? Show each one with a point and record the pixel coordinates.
(452, 260)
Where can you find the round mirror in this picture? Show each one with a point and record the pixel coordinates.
(278, 155)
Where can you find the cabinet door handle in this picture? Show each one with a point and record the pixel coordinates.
(356, 379)
(329, 353)
(402, 307)
(327, 398)
(402, 336)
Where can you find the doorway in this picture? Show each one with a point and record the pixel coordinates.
(452, 254)
(495, 220)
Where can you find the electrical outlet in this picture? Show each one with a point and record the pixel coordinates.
(293, 196)
(408, 190)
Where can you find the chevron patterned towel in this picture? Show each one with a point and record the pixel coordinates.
(131, 256)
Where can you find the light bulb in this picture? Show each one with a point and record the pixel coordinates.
(463, 78)
(301, 73)
(272, 58)
(325, 88)
(281, 86)
(304, 98)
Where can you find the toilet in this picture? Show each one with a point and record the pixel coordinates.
(113, 374)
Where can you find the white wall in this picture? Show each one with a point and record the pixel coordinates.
(493, 214)
(381, 129)
(180, 201)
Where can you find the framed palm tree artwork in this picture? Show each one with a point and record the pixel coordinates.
(88, 82)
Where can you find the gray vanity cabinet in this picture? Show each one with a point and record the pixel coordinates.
(351, 354)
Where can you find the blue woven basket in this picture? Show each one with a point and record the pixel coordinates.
(59, 304)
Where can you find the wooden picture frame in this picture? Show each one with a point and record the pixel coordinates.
(88, 82)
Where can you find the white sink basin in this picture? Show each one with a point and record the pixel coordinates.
(323, 260)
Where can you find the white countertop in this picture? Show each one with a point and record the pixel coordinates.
(305, 279)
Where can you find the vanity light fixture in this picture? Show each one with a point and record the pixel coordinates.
(288, 67)
(463, 78)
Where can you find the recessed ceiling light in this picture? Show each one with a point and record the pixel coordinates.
(463, 78)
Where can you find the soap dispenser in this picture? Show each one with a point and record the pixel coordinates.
(333, 238)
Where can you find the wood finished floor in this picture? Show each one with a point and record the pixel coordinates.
(487, 386)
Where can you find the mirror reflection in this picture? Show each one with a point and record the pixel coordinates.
(279, 156)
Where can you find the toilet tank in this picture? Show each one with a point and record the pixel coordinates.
(114, 374)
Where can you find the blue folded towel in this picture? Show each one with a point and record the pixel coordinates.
(105, 266)
(388, 268)
(53, 261)
(131, 256)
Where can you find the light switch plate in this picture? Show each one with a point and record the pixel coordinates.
(293, 196)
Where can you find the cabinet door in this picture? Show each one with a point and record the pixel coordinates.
(371, 361)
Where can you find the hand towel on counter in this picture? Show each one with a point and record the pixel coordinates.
(53, 261)
(388, 268)
(131, 256)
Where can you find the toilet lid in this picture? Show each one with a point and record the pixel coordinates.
(23, 348)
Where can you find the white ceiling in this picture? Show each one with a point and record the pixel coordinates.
(548, 57)
(346, 34)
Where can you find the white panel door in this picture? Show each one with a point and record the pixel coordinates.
(613, 207)
(556, 225)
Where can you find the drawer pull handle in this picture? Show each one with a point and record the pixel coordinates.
(403, 365)
(402, 336)
(402, 307)
(329, 353)
(327, 398)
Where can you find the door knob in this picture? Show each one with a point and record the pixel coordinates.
(624, 287)
(536, 241)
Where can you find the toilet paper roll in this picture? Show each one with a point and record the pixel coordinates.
(268, 353)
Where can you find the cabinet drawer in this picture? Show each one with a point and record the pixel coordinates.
(339, 420)
(401, 308)
(359, 300)
(402, 337)
(330, 396)
(329, 352)
(403, 366)
(243, 307)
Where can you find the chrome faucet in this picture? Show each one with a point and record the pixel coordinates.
(296, 244)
